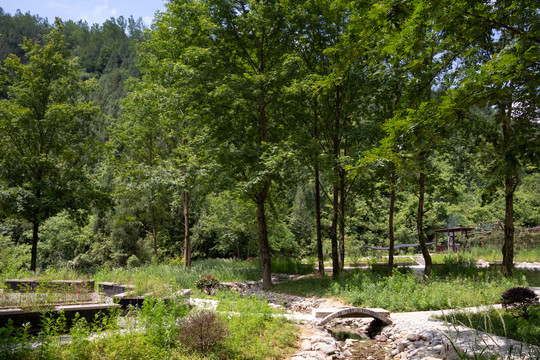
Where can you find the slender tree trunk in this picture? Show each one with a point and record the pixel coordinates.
(391, 219)
(510, 184)
(35, 239)
(187, 239)
(420, 223)
(154, 231)
(333, 233)
(264, 246)
(318, 220)
(508, 246)
(35, 230)
(335, 202)
(342, 175)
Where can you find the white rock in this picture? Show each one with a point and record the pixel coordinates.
(347, 353)
(350, 342)
(412, 337)
(326, 348)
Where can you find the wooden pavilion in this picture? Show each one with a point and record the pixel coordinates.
(451, 235)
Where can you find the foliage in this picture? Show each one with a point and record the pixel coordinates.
(518, 300)
(13, 258)
(331, 83)
(207, 282)
(153, 333)
(159, 318)
(202, 331)
(254, 331)
(47, 133)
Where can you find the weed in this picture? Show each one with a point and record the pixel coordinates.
(202, 331)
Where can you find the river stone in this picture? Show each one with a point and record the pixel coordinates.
(403, 345)
(306, 345)
(326, 348)
(347, 353)
(312, 355)
(412, 337)
(350, 342)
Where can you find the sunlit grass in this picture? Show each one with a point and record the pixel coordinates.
(408, 292)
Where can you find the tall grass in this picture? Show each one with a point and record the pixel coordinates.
(152, 333)
(502, 323)
(489, 253)
(149, 277)
(407, 292)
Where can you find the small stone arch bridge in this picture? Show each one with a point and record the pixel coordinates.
(352, 312)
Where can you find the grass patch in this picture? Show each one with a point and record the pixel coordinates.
(488, 253)
(153, 333)
(406, 292)
(502, 323)
(156, 277)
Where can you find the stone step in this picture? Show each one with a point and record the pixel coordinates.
(324, 312)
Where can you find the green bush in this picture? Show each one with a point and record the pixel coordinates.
(133, 261)
(159, 319)
(207, 283)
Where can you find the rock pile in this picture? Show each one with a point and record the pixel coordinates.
(321, 345)
(396, 342)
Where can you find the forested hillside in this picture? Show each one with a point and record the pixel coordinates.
(248, 129)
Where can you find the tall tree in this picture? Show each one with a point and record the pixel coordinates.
(231, 54)
(46, 134)
(327, 92)
(498, 71)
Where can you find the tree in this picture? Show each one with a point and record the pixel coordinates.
(46, 134)
(230, 52)
(496, 87)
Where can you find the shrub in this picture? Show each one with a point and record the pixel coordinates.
(202, 331)
(519, 299)
(133, 261)
(207, 283)
(159, 319)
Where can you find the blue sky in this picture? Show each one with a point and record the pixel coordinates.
(93, 11)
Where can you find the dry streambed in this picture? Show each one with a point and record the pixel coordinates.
(414, 336)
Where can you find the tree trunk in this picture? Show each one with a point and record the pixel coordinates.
(35, 230)
(342, 175)
(335, 202)
(333, 233)
(318, 220)
(35, 239)
(154, 231)
(264, 246)
(420, 223)
(187, 239)
(508, 246)
(391, 220)
(510, 184)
